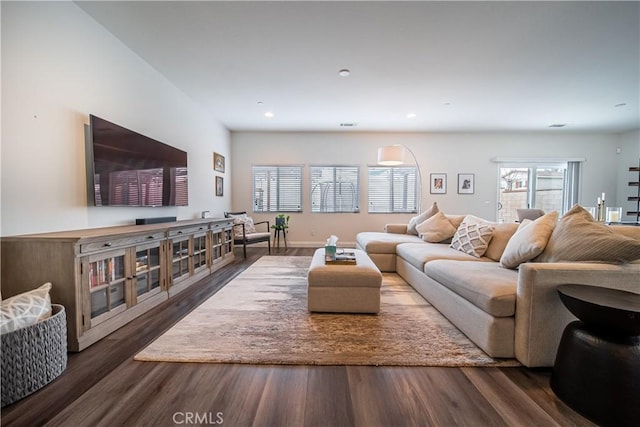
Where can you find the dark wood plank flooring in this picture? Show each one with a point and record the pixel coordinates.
(103, 385)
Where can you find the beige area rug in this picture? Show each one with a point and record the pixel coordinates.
(261, 317)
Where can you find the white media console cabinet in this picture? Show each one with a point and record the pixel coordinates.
(106, 277)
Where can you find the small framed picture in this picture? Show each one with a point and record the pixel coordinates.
(219, 186)
(218, 162)
(438, 183)
(466, 183)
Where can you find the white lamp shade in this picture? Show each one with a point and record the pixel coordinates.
(391, 155)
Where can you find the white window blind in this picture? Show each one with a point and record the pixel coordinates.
(277, 188)
(392, 189)
(335, 189)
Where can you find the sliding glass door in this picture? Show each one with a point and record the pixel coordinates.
(532, 186)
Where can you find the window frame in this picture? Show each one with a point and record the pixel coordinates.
(391, 201)
(571, 180)
(334, 181)
(280, 206)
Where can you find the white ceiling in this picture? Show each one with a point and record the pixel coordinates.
(458, 66)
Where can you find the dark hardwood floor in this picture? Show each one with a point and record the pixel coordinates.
(103, 385)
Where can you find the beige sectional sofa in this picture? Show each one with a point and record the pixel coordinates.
(510, 312)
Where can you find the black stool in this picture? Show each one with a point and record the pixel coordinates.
(597, 367)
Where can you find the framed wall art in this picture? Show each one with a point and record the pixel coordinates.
(219, 186)
(438, 183)
(466, 183)
(218, 162)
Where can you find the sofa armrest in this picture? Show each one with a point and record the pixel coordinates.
(396, 228)
(540, 314)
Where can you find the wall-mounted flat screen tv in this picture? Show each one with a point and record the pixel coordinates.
(130, 169)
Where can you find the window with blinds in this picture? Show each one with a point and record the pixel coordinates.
(277, 188)
(392, 189)
(335, 189)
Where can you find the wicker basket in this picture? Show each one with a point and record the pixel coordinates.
(34, 356)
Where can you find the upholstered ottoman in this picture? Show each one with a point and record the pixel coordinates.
(344, 288)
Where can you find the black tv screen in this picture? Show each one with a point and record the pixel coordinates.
(130, 169)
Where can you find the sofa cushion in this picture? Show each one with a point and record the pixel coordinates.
(484, 284)
(436, 229)
(529, 240)
(578, 237)
(377, 242)
(413, 222)
(502, 233)
(472, 237)
(417, 254)
(25, 309)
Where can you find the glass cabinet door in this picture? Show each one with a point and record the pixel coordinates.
(180, 259)
(216, 246)
(107, 282)
(148, 271)
(199, 251)
(228, 241)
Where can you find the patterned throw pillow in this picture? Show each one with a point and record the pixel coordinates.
(25, 309)
(248, 225)
(472, 238)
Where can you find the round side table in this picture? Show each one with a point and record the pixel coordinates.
(597, 367)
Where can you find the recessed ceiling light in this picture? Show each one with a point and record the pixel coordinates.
(411, 115)
(558, 125)
(622, 104)
(269, 115)
(260, 103)
(344, 72)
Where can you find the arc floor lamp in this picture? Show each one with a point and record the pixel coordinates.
(393, 155)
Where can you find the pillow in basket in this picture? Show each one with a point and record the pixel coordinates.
(25, 309)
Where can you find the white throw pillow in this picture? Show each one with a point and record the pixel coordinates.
(472, 238)
(25, 309)
(529, 240)
(413, 222)
(436, 229)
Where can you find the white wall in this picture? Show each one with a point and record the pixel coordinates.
(629, 156)
(437, 153)
(59, 66)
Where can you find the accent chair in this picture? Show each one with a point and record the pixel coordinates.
(245, 233)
